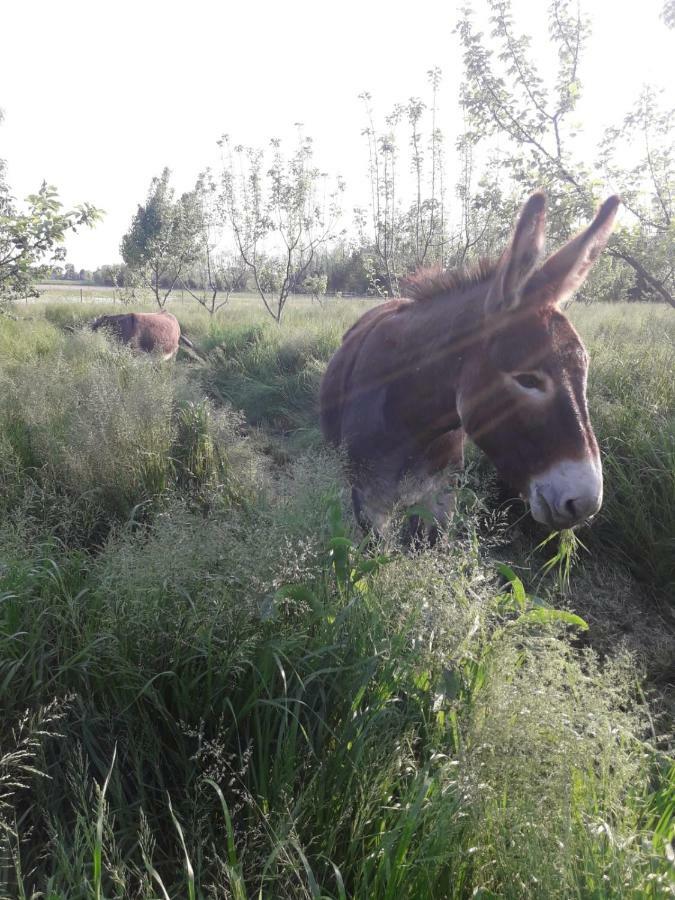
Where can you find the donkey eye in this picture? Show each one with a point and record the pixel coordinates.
(530, 381)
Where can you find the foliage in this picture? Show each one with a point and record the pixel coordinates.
(315, 286)
(279, 218)
(112, 275)
(162, 240)
(31, 239)
(646, 188)
(504, 95)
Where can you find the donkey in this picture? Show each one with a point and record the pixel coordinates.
(150, 332)
(484, 352)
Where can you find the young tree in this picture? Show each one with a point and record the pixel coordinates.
(404, 241)
(426, 214)
(315, 286)
(216, 270)
(384, 211)
(280, 216)
(647, 188)
(31, 240)
(162, 241)
(504, 95)
(483, 210)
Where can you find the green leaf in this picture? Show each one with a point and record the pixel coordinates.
(517, 589)
(544, 616)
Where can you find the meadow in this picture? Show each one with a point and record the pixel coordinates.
(212, 688)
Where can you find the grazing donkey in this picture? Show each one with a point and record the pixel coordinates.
(151, 332)
(483, 352)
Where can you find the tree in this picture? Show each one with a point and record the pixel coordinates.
(647, 188)
(315, 286)
(32, 240)
(115, 275)
(162, 241)
(384, 211)
(404, 241)
(504, 95)
(216, 271)
(281, 216)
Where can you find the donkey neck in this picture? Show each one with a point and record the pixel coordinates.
(445, 329)
(434, 337)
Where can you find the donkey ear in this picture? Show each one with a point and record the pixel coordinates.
(520, 257)
(564, 272)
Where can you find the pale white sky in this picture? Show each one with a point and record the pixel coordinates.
(99, 96)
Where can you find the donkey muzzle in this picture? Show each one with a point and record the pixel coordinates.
(566, 494)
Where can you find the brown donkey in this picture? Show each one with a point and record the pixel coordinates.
(484, 353)
(150, 332)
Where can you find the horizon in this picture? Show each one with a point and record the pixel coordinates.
(145, 105)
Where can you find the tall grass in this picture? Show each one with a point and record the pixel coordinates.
(373, 730)
(632, 395)
(210, 689)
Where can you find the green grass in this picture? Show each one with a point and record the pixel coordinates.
(209, 689)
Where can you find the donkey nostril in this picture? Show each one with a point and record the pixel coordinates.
(570, 507)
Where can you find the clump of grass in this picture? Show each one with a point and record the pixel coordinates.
(564, 558)
(93, 427)
(558, 781)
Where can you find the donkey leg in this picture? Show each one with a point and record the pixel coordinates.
(437, 473)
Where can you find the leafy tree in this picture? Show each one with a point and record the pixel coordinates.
(346, 268)
(481, 229)
(281, 216)
(162, 241)
(31, 239)
(504, 95)
(647, 187)
(115, 275)
(315, 286)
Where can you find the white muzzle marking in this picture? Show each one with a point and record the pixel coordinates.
(567, 493)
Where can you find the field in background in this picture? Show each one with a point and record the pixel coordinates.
(210, 689)
(72, 292)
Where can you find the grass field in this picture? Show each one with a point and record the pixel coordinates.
(210, 689)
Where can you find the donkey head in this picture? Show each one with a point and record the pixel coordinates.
(522, 394)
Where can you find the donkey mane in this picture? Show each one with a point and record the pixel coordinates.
(426, 284)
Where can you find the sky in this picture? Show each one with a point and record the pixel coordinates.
(98, 96)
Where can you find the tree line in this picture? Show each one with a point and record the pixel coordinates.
(270, 220)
